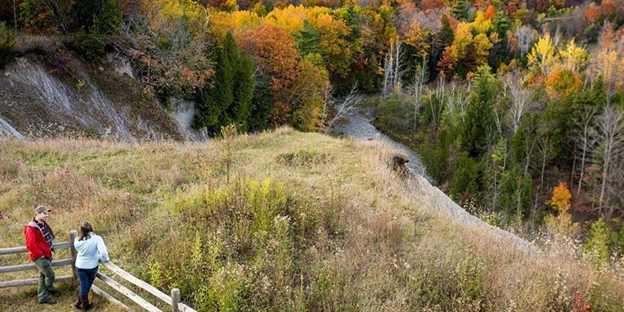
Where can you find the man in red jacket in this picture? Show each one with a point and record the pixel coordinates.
(39, 240)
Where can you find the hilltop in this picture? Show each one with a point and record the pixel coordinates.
(286, 221)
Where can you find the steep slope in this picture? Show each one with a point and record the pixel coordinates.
(55, 93)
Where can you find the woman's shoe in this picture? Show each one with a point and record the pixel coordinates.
(78, 304)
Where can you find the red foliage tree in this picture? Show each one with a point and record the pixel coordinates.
(427, 5)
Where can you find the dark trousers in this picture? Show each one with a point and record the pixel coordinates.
(46, 277)
(86, 276)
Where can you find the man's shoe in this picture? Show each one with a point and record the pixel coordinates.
(48, 301)
(54, 292)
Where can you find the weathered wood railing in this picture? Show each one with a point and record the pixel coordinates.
(31, 266)
(174, 300)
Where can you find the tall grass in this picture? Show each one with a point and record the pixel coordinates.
(305, 223)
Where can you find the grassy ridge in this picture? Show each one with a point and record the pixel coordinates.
(302, 222)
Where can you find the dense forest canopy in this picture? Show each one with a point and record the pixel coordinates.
(516, 106)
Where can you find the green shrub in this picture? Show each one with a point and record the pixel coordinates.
(304, 158)
(598, 245)
(90, 46)
(240, 244)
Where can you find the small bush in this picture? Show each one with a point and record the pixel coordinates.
(89, 46)
(304, 158)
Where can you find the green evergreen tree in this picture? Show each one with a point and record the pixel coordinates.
(243, 91)
(446, 33)
(307, 40)
(460, 10)
(516, 196)
(261, 105)
(501, 25)
(465, 178)
(522, 145)
(479, 122)
(213, 100)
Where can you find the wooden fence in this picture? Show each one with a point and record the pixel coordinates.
(173, 300)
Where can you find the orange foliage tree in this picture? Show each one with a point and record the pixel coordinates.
(560, 199)
(275, 53)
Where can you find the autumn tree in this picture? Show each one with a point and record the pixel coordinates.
(543, 55)
(309, 90)
(608, 62)
(333, 45)
(574, 58)
(561, 197)
(275, 53)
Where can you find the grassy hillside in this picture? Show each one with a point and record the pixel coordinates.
(302, 222)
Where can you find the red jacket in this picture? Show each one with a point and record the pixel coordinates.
(35, 242)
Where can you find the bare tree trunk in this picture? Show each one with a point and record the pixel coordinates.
(611, 124)
(545, 150)
(392, 69)
(586, 132)
(352, 99)
(397, 66)
(327, 101)
(521, 99)
(419, 81)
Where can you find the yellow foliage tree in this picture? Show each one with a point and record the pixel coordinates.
(289, 18)
(417, 38)
(245, 20)
(543, 55)
(335, 49)
(481, 23)
(574, 57)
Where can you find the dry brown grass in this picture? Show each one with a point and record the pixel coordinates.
(374, 244)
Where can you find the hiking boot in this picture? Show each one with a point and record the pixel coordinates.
(54, 292)
(48, 301)
(86, 305)
(78, 304)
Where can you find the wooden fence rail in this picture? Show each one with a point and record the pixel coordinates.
(173, 300)
(31, 266)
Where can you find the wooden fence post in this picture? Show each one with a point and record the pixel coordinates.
(175, 299)
(72, 236)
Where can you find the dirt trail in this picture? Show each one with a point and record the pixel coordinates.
(359, 127)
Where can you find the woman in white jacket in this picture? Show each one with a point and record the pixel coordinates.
(91, 250)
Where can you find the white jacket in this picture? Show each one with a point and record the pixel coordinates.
(90, 251)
